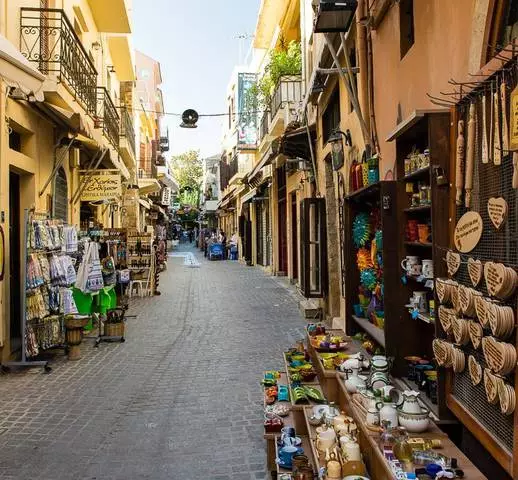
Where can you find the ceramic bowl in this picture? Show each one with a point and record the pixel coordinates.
(415, 422)
(315, 421)
(320, 410)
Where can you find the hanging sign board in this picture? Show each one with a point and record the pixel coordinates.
(514, 120)
(166, 196)
(101, 185)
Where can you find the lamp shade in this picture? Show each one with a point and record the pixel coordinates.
(334, 15)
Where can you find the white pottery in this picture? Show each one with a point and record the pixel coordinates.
(325, 440)
(378, 380)
(373, 416)
(415, 422)
(408, 262)
(388, 412)
(352, 452)
(352, 381)
(410, 403)
(320, 410)
(428, 268)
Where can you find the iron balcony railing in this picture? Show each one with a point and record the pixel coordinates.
(127, 129)
(108, 117)
(48, 39)
(288, 90)
(264, 125)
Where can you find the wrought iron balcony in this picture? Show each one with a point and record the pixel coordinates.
(288, 90)
(107, 117)
(127, 129)
(48, 39)
(264, 126)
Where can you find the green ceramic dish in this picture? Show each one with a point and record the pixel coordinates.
(299, 395)
(314, 394)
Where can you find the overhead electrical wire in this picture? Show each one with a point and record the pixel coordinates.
(145, 110)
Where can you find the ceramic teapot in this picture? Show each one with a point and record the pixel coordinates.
(352, 381)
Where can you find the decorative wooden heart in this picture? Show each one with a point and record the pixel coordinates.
(491, 386)
(440, 288)
(494, 274)
(475, 270)
(453, 262)
(475, 333)
(480, 307)
(497, 209)
(468, 232)
(475, 370)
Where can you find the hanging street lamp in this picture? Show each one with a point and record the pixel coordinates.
(337, 147)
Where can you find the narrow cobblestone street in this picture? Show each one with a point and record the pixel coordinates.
(180, 399)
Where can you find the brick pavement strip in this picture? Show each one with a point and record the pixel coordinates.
(179, 400)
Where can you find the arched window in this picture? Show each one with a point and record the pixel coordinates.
(60, 201)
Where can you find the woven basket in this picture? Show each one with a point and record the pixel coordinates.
(114, 329)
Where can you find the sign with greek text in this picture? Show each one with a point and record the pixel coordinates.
(100, 185)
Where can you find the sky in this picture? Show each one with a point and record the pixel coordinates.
(196, 45)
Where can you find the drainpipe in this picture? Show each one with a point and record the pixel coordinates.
(370, 82)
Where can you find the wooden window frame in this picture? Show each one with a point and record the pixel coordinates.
(306, 243)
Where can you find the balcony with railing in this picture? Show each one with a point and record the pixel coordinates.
(107, 117)
(289, 91)
(48, 40)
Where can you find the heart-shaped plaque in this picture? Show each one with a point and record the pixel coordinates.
(494, 274)
(497, 209)
(468, 232)
(453, 262)
(475, 270)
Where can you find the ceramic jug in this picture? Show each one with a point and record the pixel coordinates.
(410, 403)
(388, 412)
(352, 381)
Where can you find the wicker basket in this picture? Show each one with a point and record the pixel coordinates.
(114, 329)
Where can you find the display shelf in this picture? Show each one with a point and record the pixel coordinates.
(364, 192)
(288, 419)
(377, 464)
(416, 174)
(432, 132)
(419, 244)
(375, 332)
(305, 445)
(420, 208)
(425, 317)
(420, 283)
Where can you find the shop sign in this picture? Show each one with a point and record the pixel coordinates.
(166, 196)
(247, 115)
(101, 185)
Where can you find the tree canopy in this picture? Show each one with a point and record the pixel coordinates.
(188, 171)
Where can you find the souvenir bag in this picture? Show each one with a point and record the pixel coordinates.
(94, 281)
(82, 271)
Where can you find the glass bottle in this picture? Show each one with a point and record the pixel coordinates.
(424, 443)
(387, 438)
(402, 449)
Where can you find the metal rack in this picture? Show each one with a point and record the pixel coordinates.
(25, 362)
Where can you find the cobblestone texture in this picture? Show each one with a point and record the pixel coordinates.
(179, 400)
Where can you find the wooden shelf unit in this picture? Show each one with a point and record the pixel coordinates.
(382, 196)
(432, 132)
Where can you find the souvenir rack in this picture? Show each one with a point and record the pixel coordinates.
(26, 361)
(492, 163)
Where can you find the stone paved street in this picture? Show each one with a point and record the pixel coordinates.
(179, 400)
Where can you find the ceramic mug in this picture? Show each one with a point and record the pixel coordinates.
(428, 268)
(287, 453)
(408, 262)
(326, 440)
(351, 451)
(423, 232)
